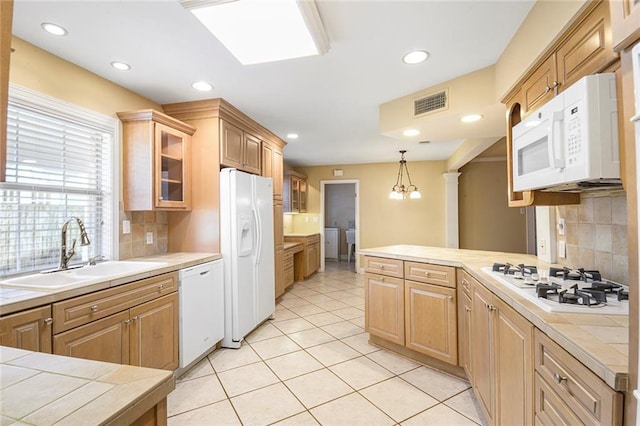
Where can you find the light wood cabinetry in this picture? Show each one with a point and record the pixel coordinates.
(584, 48)
(239, 149)
(6, 20)
(310, 259)
(625, 22)
(221, 127)
(293, 259)
(431, 320)
(156, 156)
(384, 307)
(418, 314)
(135, 324)
(295, 192)
(501, 353)
(464, 322)
(30, 330)
(567, 392)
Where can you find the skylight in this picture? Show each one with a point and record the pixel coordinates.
(258, 31)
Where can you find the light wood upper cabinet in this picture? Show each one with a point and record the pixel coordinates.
(294, 192)
(6, 20)
(584, 48)
(272, 166)
(625, 23)
(384, 307)
(156, 161)
(29, 330)
(431, 320)
(239, 149)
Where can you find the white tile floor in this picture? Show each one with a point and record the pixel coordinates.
(312, 365)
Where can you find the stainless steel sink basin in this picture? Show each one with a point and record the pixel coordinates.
(81, 276)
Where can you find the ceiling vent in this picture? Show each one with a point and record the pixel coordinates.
(432, 103)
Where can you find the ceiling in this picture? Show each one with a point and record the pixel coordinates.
(331, 101)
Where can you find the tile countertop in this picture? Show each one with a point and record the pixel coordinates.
(15, 299)
(40, 388)
(600, 342)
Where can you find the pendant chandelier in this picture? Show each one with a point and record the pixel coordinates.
(399, 190)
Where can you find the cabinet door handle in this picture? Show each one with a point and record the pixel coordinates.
(48, 321)
(94, 308)
(558, 378)
(449, 297)
(160, 198)
(127, 322)
(468, 309)
(135, 318)
(491, 308)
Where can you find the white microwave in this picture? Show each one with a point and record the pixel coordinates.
(571, 142)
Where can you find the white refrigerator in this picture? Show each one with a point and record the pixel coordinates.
(246, 236)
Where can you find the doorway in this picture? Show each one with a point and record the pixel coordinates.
(339, 208)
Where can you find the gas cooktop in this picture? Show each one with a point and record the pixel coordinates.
(564, 289)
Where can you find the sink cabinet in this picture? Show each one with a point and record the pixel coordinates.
(30, 330)
(156, 161)
(134, 324)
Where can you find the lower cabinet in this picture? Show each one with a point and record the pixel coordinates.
(501, 359)
(431, 320)
(384, 307)
(418, 314)
(312, 257)
(135, 323)
(310, 254)
(566, 392)
(29, 330)
(464, 322)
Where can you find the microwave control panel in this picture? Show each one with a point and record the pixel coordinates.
(574, 137)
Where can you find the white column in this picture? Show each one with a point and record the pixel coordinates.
(451, 209)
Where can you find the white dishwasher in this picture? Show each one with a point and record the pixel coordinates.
(201, 295)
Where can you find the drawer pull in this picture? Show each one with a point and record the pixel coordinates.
(381, 266)
(381, 278)
(559, 379)
(161, 286)
(94, 308)
(426, 274)
(48, 321)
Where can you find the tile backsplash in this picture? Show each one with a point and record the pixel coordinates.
(134, 244)
(596, 234)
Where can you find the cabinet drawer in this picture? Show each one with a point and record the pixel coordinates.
(288, 262)
(383, 266)
(313, 239)
(84, 309)
(588, 396)
(464, 282)
(550, 408)
(432, 274)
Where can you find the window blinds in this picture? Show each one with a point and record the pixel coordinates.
(59, 163)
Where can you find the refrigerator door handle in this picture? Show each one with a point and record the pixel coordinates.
(258, 233)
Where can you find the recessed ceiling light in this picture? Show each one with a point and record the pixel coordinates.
(263, 31)
(54, 29)
(292, 136)
(415, 57)
(411, 132)
(471, 118)
(121, 66)
(202, 86)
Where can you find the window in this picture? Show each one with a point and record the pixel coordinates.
(59, 165)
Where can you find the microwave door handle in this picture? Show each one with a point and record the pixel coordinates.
(557, 117)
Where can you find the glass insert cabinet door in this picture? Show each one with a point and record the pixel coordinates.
(172, 179)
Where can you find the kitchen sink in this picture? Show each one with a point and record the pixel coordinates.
(117, 268)
(81, 276)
